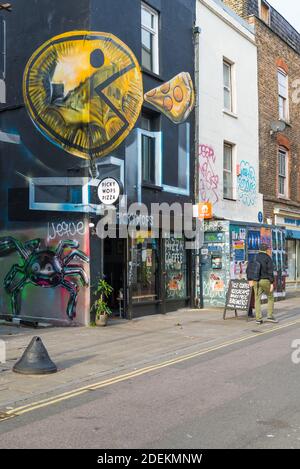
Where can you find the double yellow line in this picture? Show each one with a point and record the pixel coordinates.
(11, 413)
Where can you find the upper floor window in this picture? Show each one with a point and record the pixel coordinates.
(149, 148)
(283, 172)
(264, 12)
(150, 47)
(228, 191)
(283, 95)
(227, 84)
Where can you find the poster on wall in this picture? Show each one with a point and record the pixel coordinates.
(238, 252)
(266, 238)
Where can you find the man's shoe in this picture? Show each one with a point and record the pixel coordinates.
(259, 322)
(272, 320)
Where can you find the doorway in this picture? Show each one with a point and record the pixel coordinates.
(114, 262)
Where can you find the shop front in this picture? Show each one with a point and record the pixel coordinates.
(228, 247)
(158, 274)
(150, 272)
(291, 221)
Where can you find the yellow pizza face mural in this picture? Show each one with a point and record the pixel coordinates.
(83, 90)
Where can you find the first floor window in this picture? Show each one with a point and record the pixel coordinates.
(148, 159)
(228, 171)
(282, 172)
(150, 124)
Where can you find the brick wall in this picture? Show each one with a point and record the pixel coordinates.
(275, 50)
(272, 53)
(278, 23)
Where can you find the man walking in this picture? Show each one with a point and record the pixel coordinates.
(260, 273)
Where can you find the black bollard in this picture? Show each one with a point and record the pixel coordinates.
(35, 360)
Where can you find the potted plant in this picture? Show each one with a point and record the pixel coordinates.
(102, 311)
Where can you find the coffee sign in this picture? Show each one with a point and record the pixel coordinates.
(238, 296)
(109, 191)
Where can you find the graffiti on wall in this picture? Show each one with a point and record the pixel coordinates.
(247, 186)
(84, 91)
(66, 229)
(44, 268)
(209, 179)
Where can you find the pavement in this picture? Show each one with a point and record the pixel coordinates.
(84, 355)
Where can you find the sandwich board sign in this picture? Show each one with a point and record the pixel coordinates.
(238, 297)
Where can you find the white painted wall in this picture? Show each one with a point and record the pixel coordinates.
(224, 35)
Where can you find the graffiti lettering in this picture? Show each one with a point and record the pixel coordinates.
(209, 180)
(66, 229)
(247, 184)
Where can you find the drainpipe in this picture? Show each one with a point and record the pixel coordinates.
(198, 268)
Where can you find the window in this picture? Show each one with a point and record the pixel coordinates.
(283, 95)
(150, 54)
(264, 12)
(144, 253)
(176, 268)
(282, 172)
(228, 171)
(2, 60)
(227, 83)
(176, 179)
(149, 148)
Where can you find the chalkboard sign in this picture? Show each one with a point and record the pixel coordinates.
(238, 296)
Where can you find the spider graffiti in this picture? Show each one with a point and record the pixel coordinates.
(44, 268)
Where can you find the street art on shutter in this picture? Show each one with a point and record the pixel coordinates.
(46, 267)
(83, 90)
(209, 179)
(247, 185)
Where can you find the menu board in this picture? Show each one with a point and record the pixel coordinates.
(238, 296)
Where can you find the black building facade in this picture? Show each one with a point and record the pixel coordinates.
(100, 88)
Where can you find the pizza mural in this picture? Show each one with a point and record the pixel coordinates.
(84, 91)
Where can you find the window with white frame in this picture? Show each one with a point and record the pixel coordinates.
(150, 149)
(228, 192)
(150, 43)
(283, 95)
(283, 172)
(227, 84)
(264, 11)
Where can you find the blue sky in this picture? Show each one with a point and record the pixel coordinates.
(290, 9)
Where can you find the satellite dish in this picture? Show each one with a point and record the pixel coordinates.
(278, 126)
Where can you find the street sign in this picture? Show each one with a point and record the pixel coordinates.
(205, 210)
(109, 191)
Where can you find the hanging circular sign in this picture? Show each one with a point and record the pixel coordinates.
(109, 191)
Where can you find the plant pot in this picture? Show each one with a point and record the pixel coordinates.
(101, 321)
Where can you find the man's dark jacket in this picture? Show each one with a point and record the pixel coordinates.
(267, 266)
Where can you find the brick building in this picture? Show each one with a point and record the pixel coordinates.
(279, 120)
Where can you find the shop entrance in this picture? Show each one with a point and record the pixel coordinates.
(114, 263)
